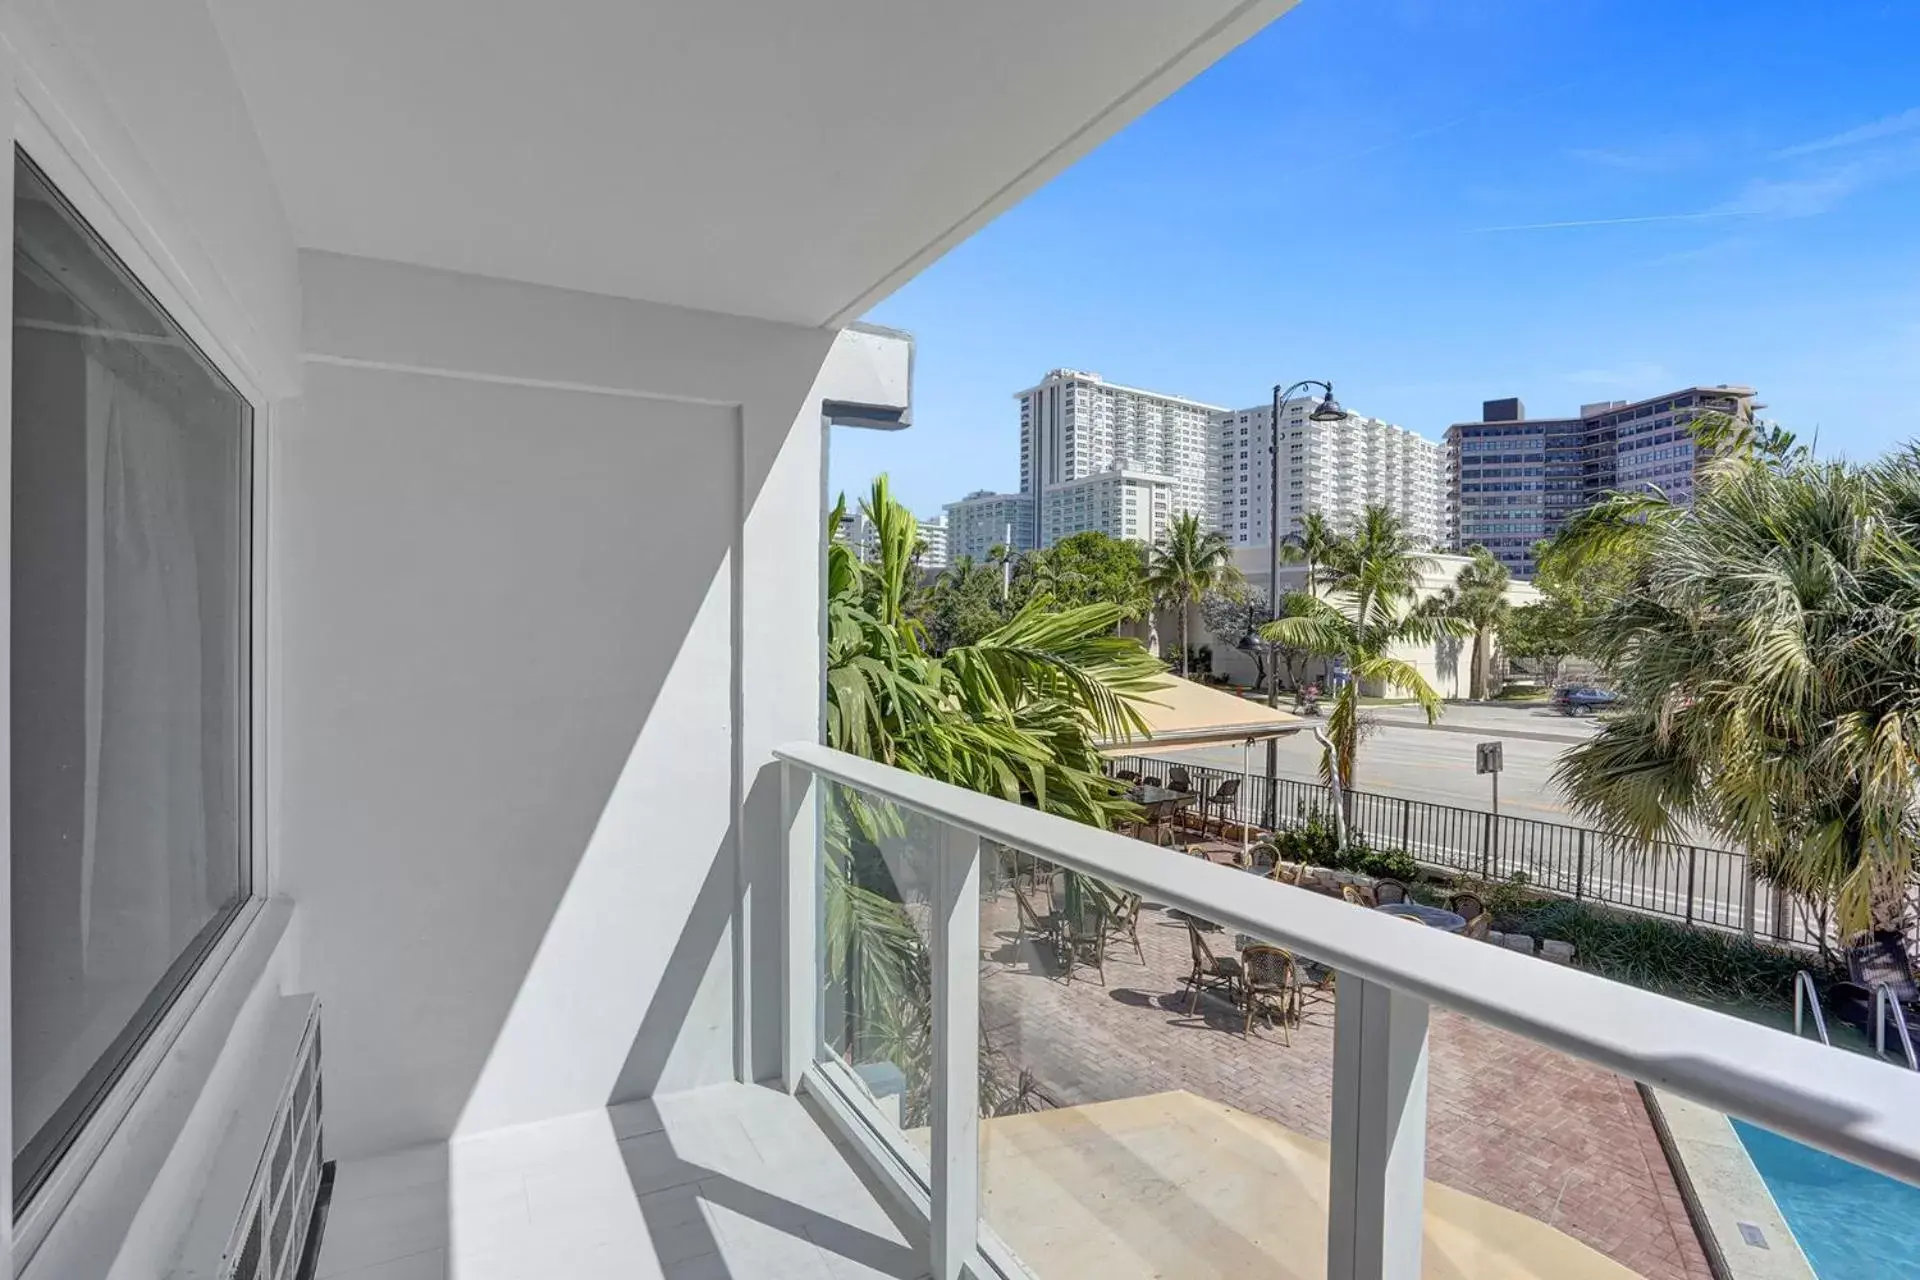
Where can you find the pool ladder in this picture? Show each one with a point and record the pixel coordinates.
(1805, 997)
(1885, 1008)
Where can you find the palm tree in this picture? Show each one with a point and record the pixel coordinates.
(1019, 713)
(1186, 563)
(1478, 597)
(1313, 544)
(1374, 576)
(1767, 646)
(1380, 558)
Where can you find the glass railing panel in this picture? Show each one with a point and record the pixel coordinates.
(1135, 1122)
(877, 864)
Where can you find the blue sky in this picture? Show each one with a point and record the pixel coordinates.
(1436, 202)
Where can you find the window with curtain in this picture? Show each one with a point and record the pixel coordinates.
(130, 635)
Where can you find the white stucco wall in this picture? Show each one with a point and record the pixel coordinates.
(547, 576)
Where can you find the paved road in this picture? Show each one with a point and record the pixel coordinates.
(1405, 758)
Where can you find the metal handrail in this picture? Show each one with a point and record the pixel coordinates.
(1883, 1000)
(1844, 1104)
(1805, 996)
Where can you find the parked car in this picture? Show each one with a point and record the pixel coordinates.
(1583, 700)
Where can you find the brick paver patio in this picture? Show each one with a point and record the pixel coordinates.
(1513, 1122)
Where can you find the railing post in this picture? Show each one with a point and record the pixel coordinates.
(1748, 894)
(1377, 1161)
(799, 923)
(1486, 847)
(955, 1108)
(1406, 826)
(1693, 866)
(1580, 868)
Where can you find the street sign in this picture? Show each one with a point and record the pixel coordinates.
(1487, 757)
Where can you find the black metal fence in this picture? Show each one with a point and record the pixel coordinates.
(1694, 884)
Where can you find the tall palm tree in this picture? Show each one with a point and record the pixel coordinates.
(1380, 558)
(1313, 544)
(1478, 597)
(1186, 563)
(1767, 647)
(1370, 611)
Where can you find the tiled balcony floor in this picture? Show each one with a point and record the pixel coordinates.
(729, 1183)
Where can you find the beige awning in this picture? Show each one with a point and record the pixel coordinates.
(1184, 714)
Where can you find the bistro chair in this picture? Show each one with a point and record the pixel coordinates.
(1150, 780)
(1218, 972)
(1043, 929)
(1178, 779)
(1313, 985)
(1466, 905)
(1263, 855)
(1222, 799)
(1085, 931)
(1356, 895)
(1126, 775)
(1123, 917)
(1268, 978)
(1388, 890)
(1480, 926)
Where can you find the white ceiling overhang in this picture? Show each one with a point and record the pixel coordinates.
(793, 161)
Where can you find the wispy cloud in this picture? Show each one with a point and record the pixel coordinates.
(1891, 126)
(1702, 216)
(1657, 155)
(1808, 196)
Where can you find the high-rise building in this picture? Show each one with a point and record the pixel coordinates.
(1074, 425)
(984, 520)
(934, 533)
(1335, 468)
(1120, 503)
(1514, 480)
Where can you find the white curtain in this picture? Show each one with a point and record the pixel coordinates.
(145, 822)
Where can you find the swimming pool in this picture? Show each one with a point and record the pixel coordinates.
(1852, 1223)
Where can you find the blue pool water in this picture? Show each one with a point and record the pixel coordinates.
(1852, 1223)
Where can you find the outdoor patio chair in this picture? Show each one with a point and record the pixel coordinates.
(1466, 904)
(1388, 890)
(1480, 926)
(1127, 775)
(1268, 977)
(1179, 779)
(1219, 972)
(1084, 931)
(1159, 820)
(1032, 924)
(1263, 855)
(1123, 917)
(1148, 780)
(1222, 800)
(1876, 959)
(1313, 985)
(1356, 895)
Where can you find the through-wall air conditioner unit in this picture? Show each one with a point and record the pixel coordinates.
(272, 1157)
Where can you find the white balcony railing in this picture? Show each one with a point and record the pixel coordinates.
(1389, 977)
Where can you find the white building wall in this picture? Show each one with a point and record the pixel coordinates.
(543, 620)
(1075, 424)
(1121, 504)
(982, 521)
(934, 533)
(1334, 468)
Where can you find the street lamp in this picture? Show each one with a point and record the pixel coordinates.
(1328, 410)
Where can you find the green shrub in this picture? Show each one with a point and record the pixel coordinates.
(1697, 965)
(1314, 840)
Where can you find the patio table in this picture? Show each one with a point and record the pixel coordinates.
(1221, 851)
(1432, 917)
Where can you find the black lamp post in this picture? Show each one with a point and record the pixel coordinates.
(1328, 410)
